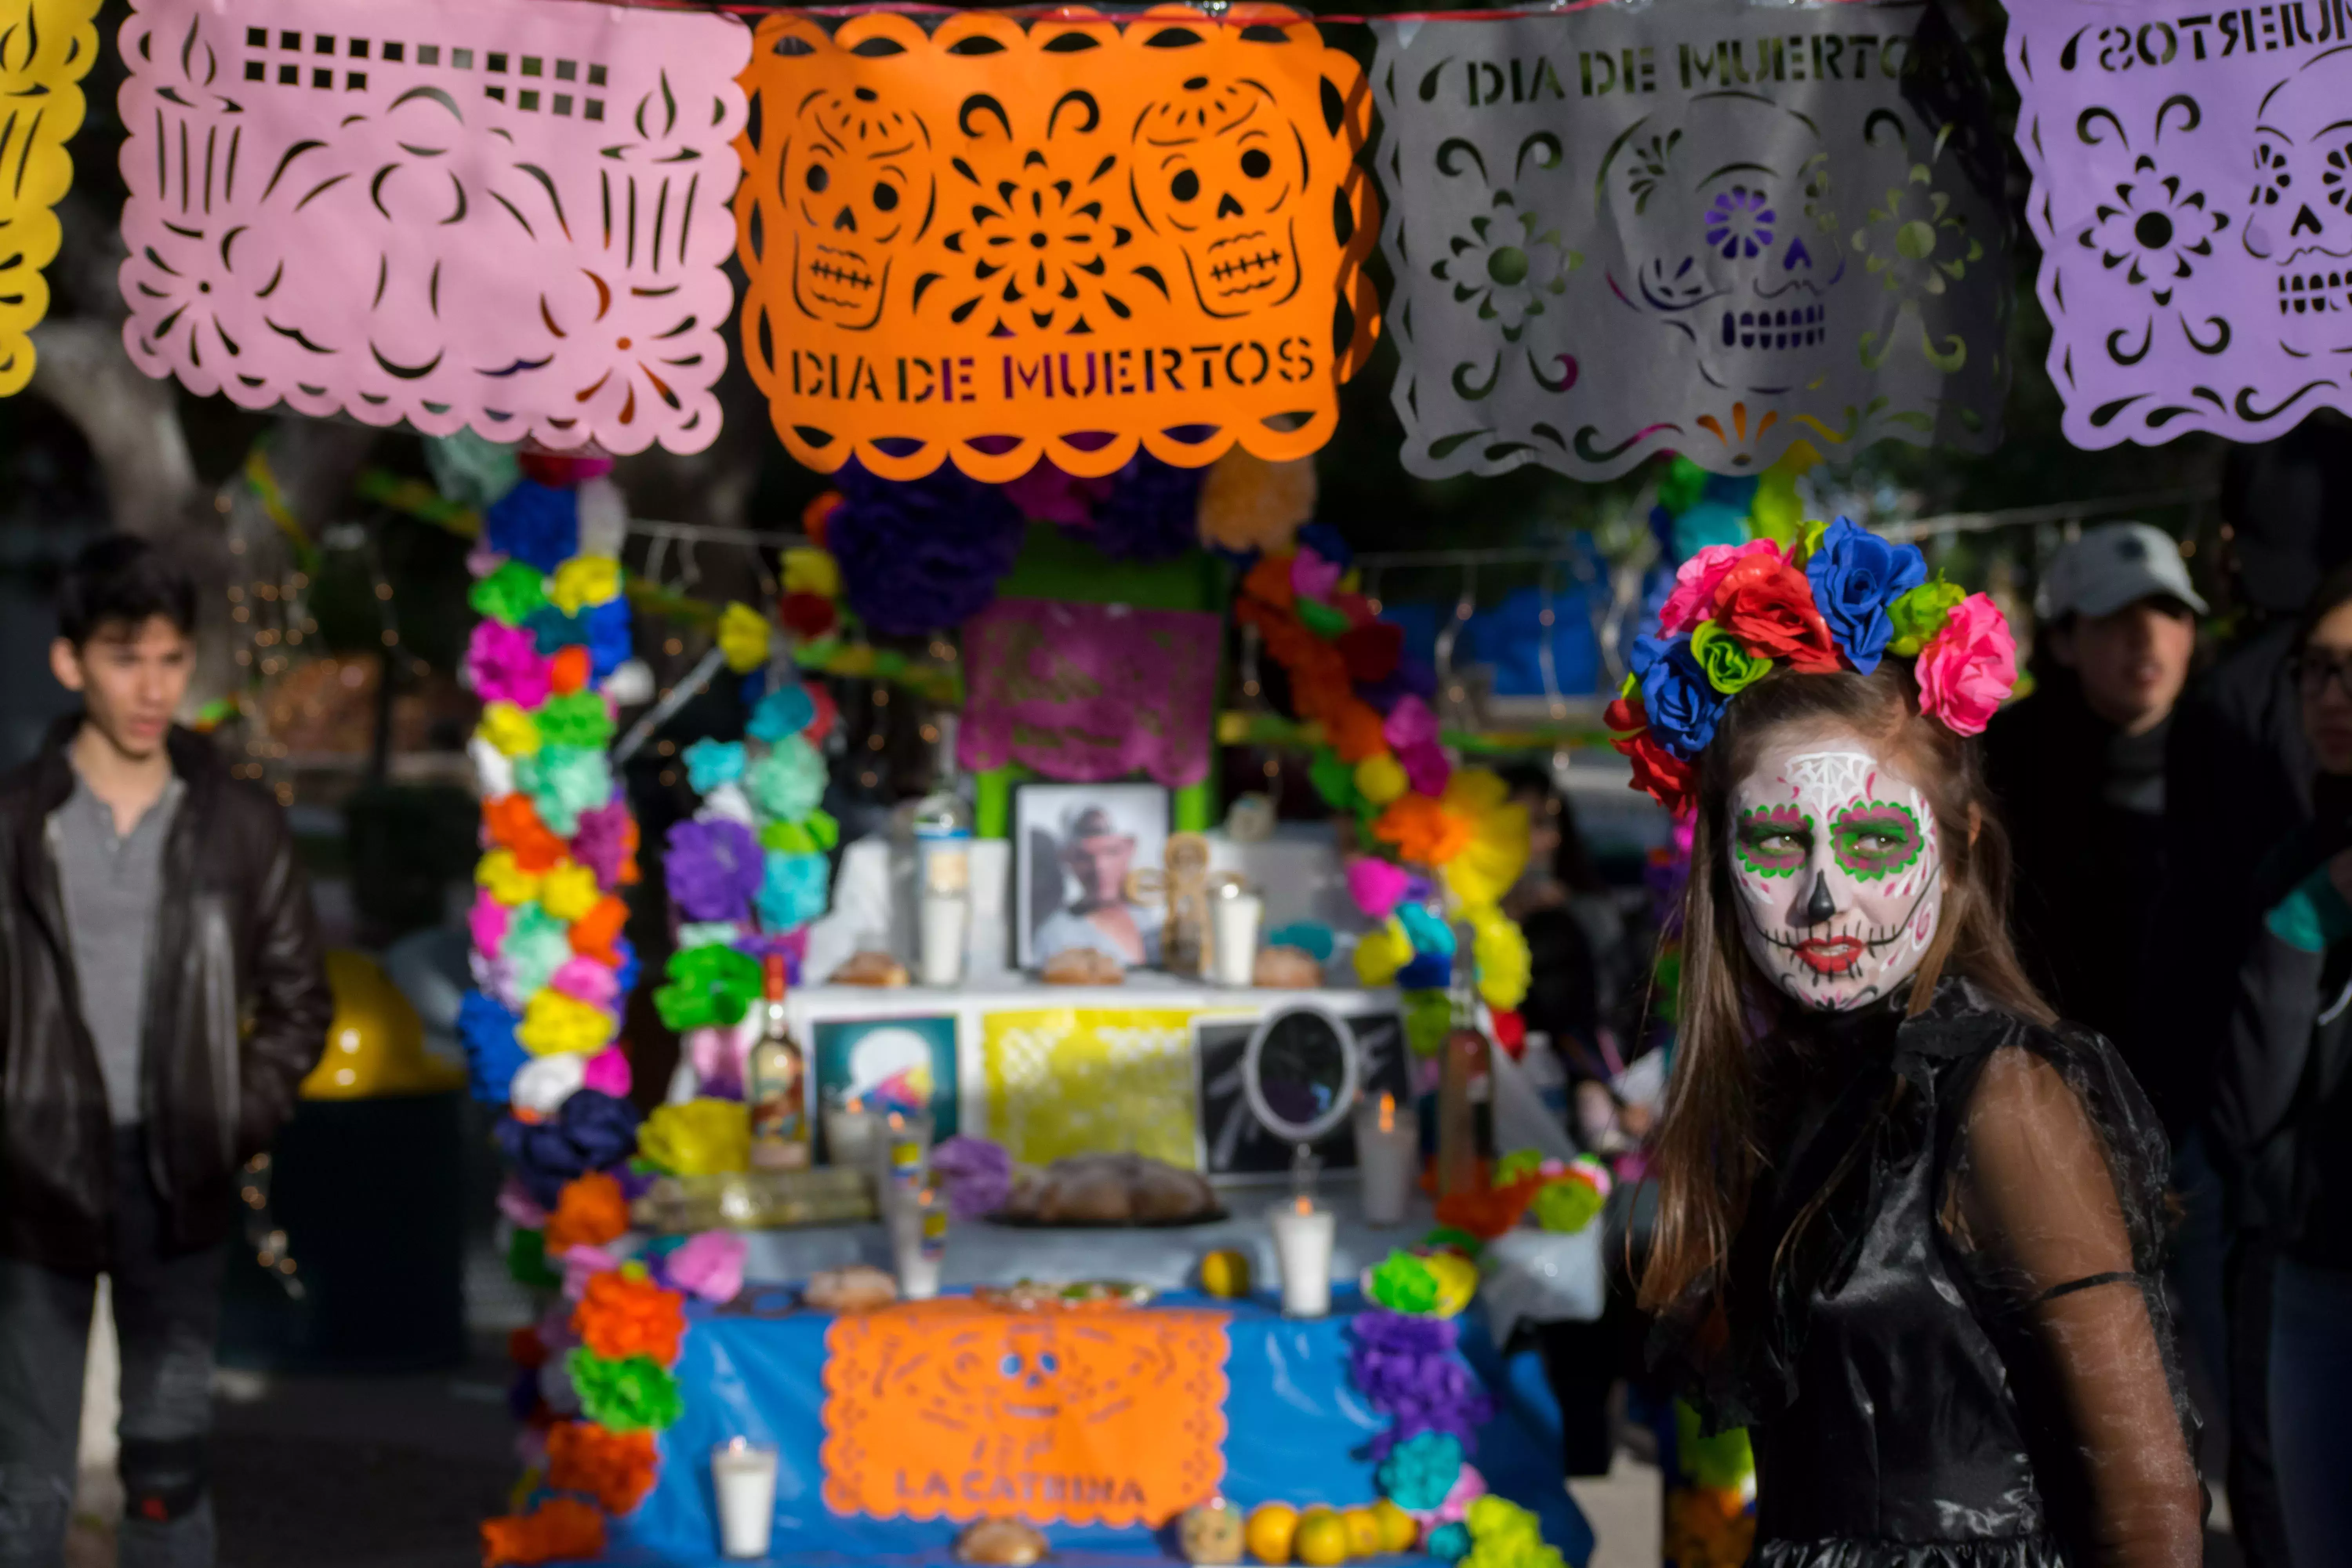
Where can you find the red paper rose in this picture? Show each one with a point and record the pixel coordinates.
(1669, 780)
(1768, 608)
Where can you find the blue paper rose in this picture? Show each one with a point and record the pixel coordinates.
(787, 711)
(536, 524)
(709, 763)
(1855, 576)
(492, 1056)
(792, 893)
(1683, 705)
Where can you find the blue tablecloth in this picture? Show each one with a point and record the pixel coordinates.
(1296, 1430)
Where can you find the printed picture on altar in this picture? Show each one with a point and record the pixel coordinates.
(1079, 846)
(1234, 1144)
(890, 1064)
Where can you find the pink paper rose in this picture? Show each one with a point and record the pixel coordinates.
(1969, 671)
(1377, 886)
(585, 979)
(1425, 767)
(581, 1264)
(1409, 723)
(506, 664)
(608, 1073)
(709, 1265)
(487, 920)
(1311, 576)
(1693, 599)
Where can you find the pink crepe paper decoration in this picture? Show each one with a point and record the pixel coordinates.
(1425, 767)
(506, 664)
(709, 1265)
(585, 979)
(608, 1073)
(487, 920)
(1469, 1485)
(407, 237)
(718, 1054)
(1377, 886)
(1046, 494)
(581, 1264)
(515, 1203)
(1969, 671)
(1409, 723)
(1696, 580)
(1311, 576)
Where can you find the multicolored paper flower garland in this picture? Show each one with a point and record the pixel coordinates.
(1836, 597)
(1429, 824)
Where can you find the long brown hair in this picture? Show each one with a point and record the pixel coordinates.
(1708, 1149)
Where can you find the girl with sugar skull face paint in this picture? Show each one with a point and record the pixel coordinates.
(1909, 1222)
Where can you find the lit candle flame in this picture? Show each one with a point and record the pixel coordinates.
(1388, 1113)
(1303, 1203)
(855, 1106)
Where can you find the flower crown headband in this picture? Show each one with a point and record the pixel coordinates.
(1838, 597)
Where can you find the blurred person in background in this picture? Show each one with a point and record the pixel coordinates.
(2238, 774)
(161, 997)
(2078, 767)
(2283, 1107)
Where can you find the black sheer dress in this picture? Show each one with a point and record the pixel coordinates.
(1943, 1321)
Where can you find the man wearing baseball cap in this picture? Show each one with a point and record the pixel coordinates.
(2079, 766)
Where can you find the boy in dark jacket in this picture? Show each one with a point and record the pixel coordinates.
(161, 997)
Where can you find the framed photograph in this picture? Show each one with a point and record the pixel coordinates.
(1233, 1142)
(1074, 847)
(909, 1059)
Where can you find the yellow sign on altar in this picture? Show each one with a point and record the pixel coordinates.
(949, 1409)
(45, 49)
(1089, 1081)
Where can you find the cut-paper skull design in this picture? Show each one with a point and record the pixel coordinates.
(2299, 216)
(857, 185)
(1221, 170)
(1730, 239)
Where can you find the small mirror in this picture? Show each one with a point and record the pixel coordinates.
(1300, 1073)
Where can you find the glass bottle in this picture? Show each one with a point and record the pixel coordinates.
(1465, 1089)
(780, 1132)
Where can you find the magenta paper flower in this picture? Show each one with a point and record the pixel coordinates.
(1969, 671)
(604, 841)
(1425, 767)
(506, 664)
(1409, 723)
(1377, 886)
(1311, 576)
(608, 1071)
(581, 1264)
(585, 979)
(1693, 599)
(487, 920)
(1046, 494)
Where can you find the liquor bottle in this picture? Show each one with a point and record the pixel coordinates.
(1466, 1089)
(779, 1133)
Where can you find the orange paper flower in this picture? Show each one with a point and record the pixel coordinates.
(559, 1529)
(1422, 830)
(514, 823)
(569, 671)
(1355, 732)
(623, 1314)
(1269, 580)
(1490, 1212)
(589, 1211)
(593, 934)
(615, 1468)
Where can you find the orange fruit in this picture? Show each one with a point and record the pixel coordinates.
(1271, 1526)
(1363, 1531)
(1322, 1539)
(1398, 1531)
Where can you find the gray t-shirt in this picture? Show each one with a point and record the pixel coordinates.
(113, 884)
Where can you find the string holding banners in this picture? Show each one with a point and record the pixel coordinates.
(1709, 228)
(1069, 237)
(45, 49)
(512, 216)
(2193, 193)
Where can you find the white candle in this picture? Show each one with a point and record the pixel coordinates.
(1302, 1246)
(1388, 1156)
(743, 1474)
(918, 1245)
(944, 919)
(1235, 937)
(850, 1132)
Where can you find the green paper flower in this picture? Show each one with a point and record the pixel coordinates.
(577, 719)
(1729, 667)
(510, 595)
(708, 985)
(631, 1394)
(565, 781)
(1334, 780)
(1322, 619)
(814, 835)
(1402, 1283)
(1428, 1019)
(535, 946)
(1516, 1166)
(1920, 614)
(1566, 1206)
(526, 1261)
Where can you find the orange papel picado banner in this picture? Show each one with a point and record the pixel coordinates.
(1008, 239)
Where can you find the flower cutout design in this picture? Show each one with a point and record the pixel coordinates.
(1650, 162)
(1039, 245)
(1739, 223)
(630, 353)
(2152, 229)
(1507, 267)
(210, 291)
(1914, 242)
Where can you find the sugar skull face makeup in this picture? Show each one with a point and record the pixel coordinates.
(1835, 858)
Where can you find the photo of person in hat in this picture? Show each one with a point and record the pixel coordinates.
(1079, 872)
